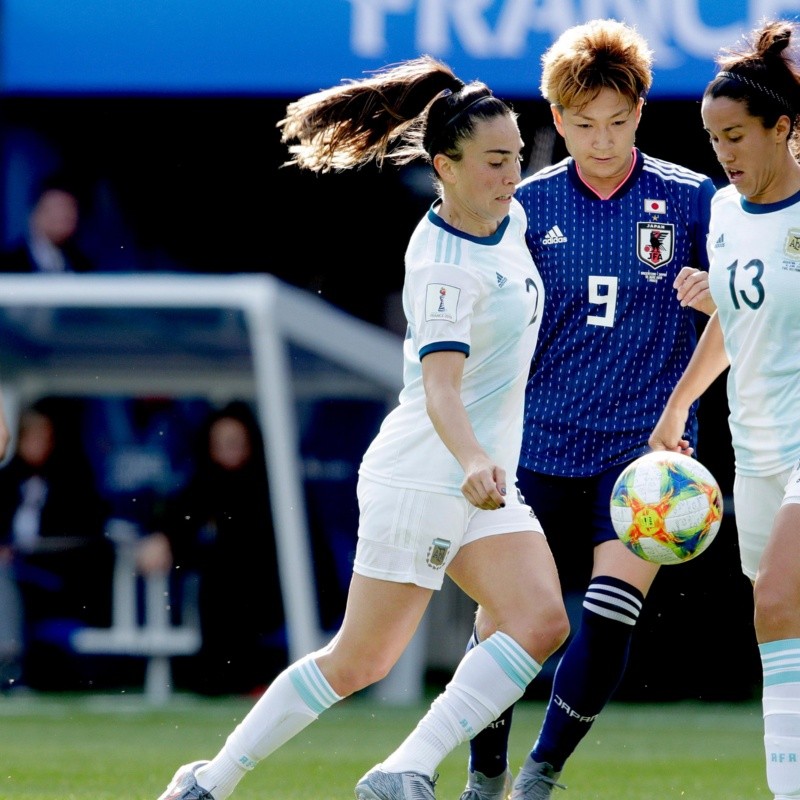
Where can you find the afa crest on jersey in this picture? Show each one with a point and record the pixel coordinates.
(655, 243)
(792, 246)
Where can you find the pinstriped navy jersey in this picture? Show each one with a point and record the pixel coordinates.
(614, 339)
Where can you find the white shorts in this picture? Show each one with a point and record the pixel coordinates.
(757, 501)
(411, 536)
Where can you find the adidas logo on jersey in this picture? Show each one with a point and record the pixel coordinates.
(501, 280)
(554, 236)
(721, 241)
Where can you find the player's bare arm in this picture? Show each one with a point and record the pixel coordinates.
(484, 481)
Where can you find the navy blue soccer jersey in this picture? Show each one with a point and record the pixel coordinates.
(614, 339)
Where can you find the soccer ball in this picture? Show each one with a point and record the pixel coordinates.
(666, 507)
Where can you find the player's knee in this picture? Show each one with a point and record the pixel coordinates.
(775, 610)
(557, 628)
(543, 631)
(357, 674)
(484, 624)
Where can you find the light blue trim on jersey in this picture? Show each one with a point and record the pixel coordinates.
(438, 347)
(512, 659)
(448, 249)
(311, 685)
(780, 661)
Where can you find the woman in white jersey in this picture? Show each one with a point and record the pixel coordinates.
(750, 110)
(436, 488)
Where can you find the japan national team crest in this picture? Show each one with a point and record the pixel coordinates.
(655, 243)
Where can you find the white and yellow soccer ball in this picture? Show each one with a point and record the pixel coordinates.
(666, 507)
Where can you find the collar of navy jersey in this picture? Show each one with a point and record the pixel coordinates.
(495, 238)
(572, 169)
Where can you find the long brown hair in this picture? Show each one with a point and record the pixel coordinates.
(414, 109)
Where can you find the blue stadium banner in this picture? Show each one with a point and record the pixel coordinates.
(290, 47)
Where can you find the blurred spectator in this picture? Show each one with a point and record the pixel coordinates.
(55, 556)
(49, 244)
(221, 529)
(140, 449)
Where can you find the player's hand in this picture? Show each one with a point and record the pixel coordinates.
(485, 485)
(668, 432)
(692, 289)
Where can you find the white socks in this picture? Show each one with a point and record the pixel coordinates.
(292, 702)
(781, 667)
(488, 680)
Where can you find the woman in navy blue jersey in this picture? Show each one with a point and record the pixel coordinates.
(615, 234)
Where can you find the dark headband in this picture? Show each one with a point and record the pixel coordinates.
(464, 110)
(759, 87)
(452, 120)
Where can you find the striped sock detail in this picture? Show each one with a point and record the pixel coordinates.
(512, 659)
(614, 599)
(312, 686)
(780, 661)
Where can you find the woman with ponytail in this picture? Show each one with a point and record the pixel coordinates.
(436, 486)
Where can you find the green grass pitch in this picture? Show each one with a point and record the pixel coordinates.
(116, 747)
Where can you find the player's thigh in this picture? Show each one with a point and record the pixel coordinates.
(780, 562)
(777, 585)
(380, 619)
(514, 579)
(505, 564)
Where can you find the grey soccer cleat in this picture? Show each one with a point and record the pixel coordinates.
(183, 785)
(535, 781)
(479, 787)
(380, 785)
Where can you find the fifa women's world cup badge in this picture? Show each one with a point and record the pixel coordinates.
(441, 302)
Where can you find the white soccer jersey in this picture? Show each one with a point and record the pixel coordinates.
(754, 250)
(481, 296)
